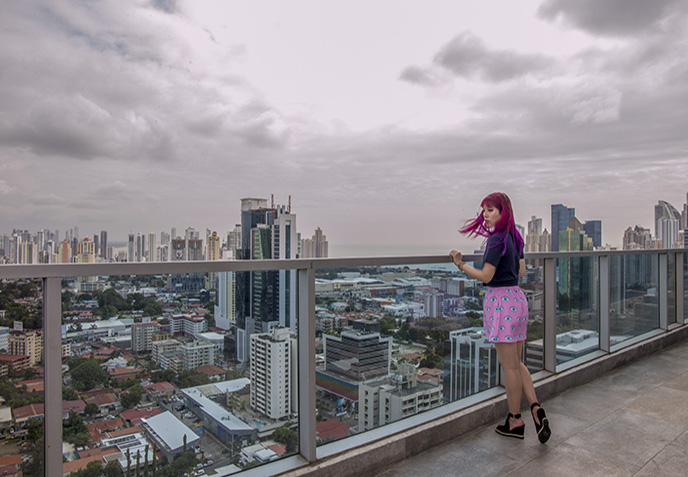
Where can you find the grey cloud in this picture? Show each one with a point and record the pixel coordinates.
(611, 17)
(168, 6)
(467, 56)
(418, 75)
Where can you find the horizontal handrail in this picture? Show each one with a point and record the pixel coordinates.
(64, 270)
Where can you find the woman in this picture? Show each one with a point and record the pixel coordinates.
(505, 308)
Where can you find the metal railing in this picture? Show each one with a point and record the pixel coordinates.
(52, 275)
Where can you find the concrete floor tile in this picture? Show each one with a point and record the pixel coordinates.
(574, 461)
(672, 461)
(465, 459)
(679, 382)
(590, 403)
(663, 403)
(628, 437)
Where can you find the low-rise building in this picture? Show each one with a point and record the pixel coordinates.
(169, 434)
(394, 398)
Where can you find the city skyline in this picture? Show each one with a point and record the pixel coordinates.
(386, 123)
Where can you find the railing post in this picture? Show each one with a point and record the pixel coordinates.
(604, 304)
(52, 350)
(663, 292)
(306, 343)
(549, 339)
(679, 288)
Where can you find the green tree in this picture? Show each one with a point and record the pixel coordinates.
(132, 397)
(91, 409)
(287, 437)
(86, 373)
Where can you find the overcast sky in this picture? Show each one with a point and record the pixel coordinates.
(386, 121)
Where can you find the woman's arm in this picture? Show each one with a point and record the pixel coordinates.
(522, 267)
(484, 275)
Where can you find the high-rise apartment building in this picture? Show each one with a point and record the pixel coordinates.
(131, 248)
(667, 224)
(142, 336)
(315, 247)
(194, 247)
(64, 252)
(225, 309)
(213, 246)
(152, 248)
(86, 251)
(178, 250)
(273, 373)
(234, 240)
(473, 364)
(26, 343)
(104, 245)
(638, 238)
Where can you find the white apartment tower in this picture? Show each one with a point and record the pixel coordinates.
(142, 336)
(225, 310)
(273, 373)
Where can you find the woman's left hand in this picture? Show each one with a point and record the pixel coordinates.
(456, 257)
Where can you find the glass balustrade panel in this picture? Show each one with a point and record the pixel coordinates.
(22, 373)
(633, 300)
(394, 342)
(182, 371)
(577, 307)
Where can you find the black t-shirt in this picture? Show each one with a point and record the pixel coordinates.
(507, 265)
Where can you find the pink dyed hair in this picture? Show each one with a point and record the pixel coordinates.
(505, 227)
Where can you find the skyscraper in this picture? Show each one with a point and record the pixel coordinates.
(213, 247)
(667, 223)
(152, 249)
(593, 229)
(315, 247)
(265, 299)
(104, 244)
(560, 221)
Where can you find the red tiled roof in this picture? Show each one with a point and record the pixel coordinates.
(12, 357)
(102, 399)
(80, 464)
(125, 432)
(77, 406)
(117, 372)
(28, 411)
(33, 385)
(332, 429)
(10, 460)
(104, 425)
(211, 370)
(135, 415)
(278, 449)
(158, 387)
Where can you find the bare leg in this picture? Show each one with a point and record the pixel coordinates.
(508, 356)
(527, 382)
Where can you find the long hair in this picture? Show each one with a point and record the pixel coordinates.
(505, 227)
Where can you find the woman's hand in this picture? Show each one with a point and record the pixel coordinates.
(456, 258)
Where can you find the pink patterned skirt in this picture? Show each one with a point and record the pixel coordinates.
(505, 314)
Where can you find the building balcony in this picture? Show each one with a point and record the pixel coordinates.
(607, 357)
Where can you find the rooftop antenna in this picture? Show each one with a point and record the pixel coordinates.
(289, 206)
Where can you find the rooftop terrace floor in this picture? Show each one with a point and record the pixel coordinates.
(631, 421)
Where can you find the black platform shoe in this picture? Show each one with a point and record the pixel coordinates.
(543, 430)
(516, 432)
